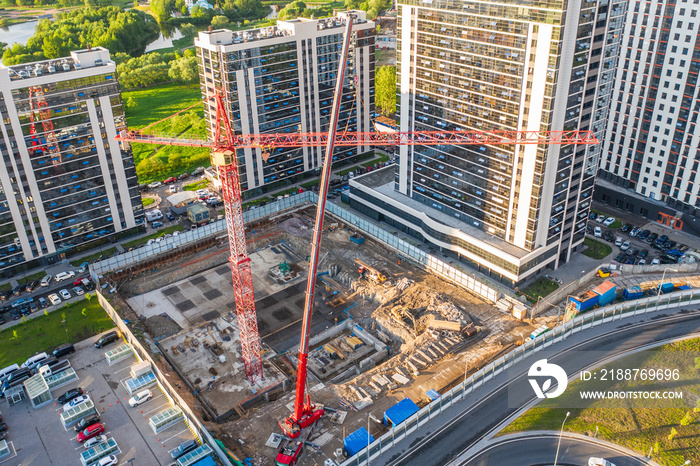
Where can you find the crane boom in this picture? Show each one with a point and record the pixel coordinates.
(405, 138)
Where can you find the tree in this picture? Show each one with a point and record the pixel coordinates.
(219, 22)
(204, 13)
(385, 89)
(184, 70)
(188, 30)
(162, 9)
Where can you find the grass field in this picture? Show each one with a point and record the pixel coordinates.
(540, 287)
(46, 332)
(155, 235)
(196, 186)
(146, 201)
(155, 163)
(34, 276)
(106, 253)
(646, 425)
(310, 184)
(596, 249)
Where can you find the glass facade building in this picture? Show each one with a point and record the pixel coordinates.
(505, 65)
(65, 181)
(651, 142)
(281, 80)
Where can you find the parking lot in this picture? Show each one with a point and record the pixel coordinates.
(639, 245)
(38, 437)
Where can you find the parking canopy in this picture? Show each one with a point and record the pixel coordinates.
(38, 390)
(400, 412)
(357, 441)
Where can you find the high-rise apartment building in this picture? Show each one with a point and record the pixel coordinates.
(651, 141)
(65, 180)
(507, 211)
(281, 79)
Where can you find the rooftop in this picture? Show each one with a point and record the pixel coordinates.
(382, 181)
(79, 59)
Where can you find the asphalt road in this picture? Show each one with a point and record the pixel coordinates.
(540, 450)
(459, 428)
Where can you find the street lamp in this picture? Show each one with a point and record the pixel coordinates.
(368, 437)
(560, 434)
(663, 277)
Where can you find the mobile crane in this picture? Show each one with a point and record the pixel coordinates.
(223, 147)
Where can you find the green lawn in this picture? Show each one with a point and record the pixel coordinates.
(155, 235)
(5, 287)
(540, 287)
(196, 186)
(596, 249)
(284, 192)
(616, 224)
(254, 202)
(155, 163)
(310, 184)
(34, 276)
(46, 332)
(639, 427)
(105, 254)
(346, 171)
(147, 201)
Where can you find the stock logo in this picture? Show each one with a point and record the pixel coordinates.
(547, 372)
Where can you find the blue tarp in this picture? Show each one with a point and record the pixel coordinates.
(206, 461)
(356, 441)
(400, 412)
(432, 394)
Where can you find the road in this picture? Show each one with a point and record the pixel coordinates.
(459, 428)
(540, 449)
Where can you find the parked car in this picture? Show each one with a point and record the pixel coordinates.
(106, 339)
(626, 227)
(670, 244)
(662, 239)
(595, 461)
(618, 241)
(64, 350)
(95, 441)
(65, 294)
(32, 285)
(644, 234)
(643, 254)
(90, 432)
(70, 395)
(78, 291)
(608, 236)
(2, 320)
(600, 218)
(21, 302)
(140, 398)
(183, 176)
(43, 303)
(3, 427)
(157, 224)
(78, 400)
(112, 460)
(635, 231)
(591, 216)
(172, 179)
(55, 300)
(609, 221)
(625, 246)
(64, 276)
(155, 184)
(86, 421)
(5, 295)
(19, 289)
(597, 232)
(16, 315)
(655, 261)
(632, 252)
(651, 238)
(46, 281)
(183, 448)
(173, 189)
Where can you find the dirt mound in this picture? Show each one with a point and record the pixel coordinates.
(159, 326)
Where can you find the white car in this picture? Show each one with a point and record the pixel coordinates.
(655, 262)
(75, 402)
(173, 189)
(65, 294)
(618, 241)
(201, 192)
(110, 460)
(625, 246)
(64, 276)
(140, 398)
(592, 461)
(597, 232)
(95, 441)
(155, 184)
(600, 219)
(78, 291)
(609, 221)
(55, 300)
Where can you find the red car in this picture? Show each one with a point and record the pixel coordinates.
(172, 179)
(90, 432)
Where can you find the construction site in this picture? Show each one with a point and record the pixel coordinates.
(382, 330)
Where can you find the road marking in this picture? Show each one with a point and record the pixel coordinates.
(170, 438)
(156, 409)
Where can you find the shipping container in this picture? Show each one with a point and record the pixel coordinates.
(666, 287)
(357, 239)
(607, 292)
(634, 292)
(585, 301)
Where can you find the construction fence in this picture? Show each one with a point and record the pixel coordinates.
(191, 419)
(557, 334)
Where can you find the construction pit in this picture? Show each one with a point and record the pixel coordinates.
(373, 342)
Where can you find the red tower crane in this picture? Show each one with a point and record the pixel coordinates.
(224, 157)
